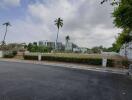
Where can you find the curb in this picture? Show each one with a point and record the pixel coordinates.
(74, 66)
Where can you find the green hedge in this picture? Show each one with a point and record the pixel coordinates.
(74, 60)
(125, 63)
(90, 61)
(110, 63)
(27, 57)
(10, 54)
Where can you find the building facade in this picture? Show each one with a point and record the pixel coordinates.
(51, 44)
(69, 46)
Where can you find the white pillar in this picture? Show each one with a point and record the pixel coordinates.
(39, 57)
(1, 54)
(104, 62)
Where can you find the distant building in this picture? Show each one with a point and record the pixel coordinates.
(69, 46)
(51, 44)
(17, 46)
(60, 46)
(83, 50)
(42, 43)
(77, 50)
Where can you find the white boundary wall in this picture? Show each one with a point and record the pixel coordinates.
(128, 50)
(1, 54)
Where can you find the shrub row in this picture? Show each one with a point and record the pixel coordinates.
(74, 60)
(90, 61)
(110, 63)
(28, 57)
(9, 54)
(125, 63)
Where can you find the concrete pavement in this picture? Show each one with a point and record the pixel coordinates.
(27, 81)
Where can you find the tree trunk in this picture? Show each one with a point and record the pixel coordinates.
(4, 36)
(56, 47)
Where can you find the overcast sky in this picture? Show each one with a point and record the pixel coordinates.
(86, 21)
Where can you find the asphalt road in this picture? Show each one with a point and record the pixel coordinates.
(19, 81)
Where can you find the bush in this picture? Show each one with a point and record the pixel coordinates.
(90, 61)
(110, 63)
(10, 54)
(125, 63)
(27, 57)
(14, 53)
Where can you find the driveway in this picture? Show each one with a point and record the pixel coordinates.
(21, 81)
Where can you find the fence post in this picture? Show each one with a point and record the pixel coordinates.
(39, 57)
(104, 62)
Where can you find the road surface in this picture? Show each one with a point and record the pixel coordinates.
(21, 81)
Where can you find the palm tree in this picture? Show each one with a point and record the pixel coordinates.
(67, 39)
(6, 24)
(58, 23)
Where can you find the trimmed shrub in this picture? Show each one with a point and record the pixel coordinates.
(14, 53)
(125, 63)
(90, 61)
(110, 63)
(27, 57)
(9, 55)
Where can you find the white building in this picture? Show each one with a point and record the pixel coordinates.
(51, 44)
(126, 50)
(69, 46)
(84, 50)
(77, 50)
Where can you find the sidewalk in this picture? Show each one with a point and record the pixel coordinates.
(71, 65)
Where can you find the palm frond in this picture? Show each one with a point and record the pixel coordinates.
(58, 22)
(7, 24)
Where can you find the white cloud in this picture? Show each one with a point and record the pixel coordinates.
(9, 3)
(86, 21)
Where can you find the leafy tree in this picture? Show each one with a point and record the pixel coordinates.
(123, 14)
(29, 47)
(123, 38)
(35, 43)
(112, 2)
(97, 49)
(58, 23)
(122, 19)
(34, 48)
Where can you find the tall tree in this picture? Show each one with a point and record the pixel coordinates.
(112, 2)
(67, 39)
(58, 23)
(123, 14)
(123, 38)
(6, 24)
(122, 19)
